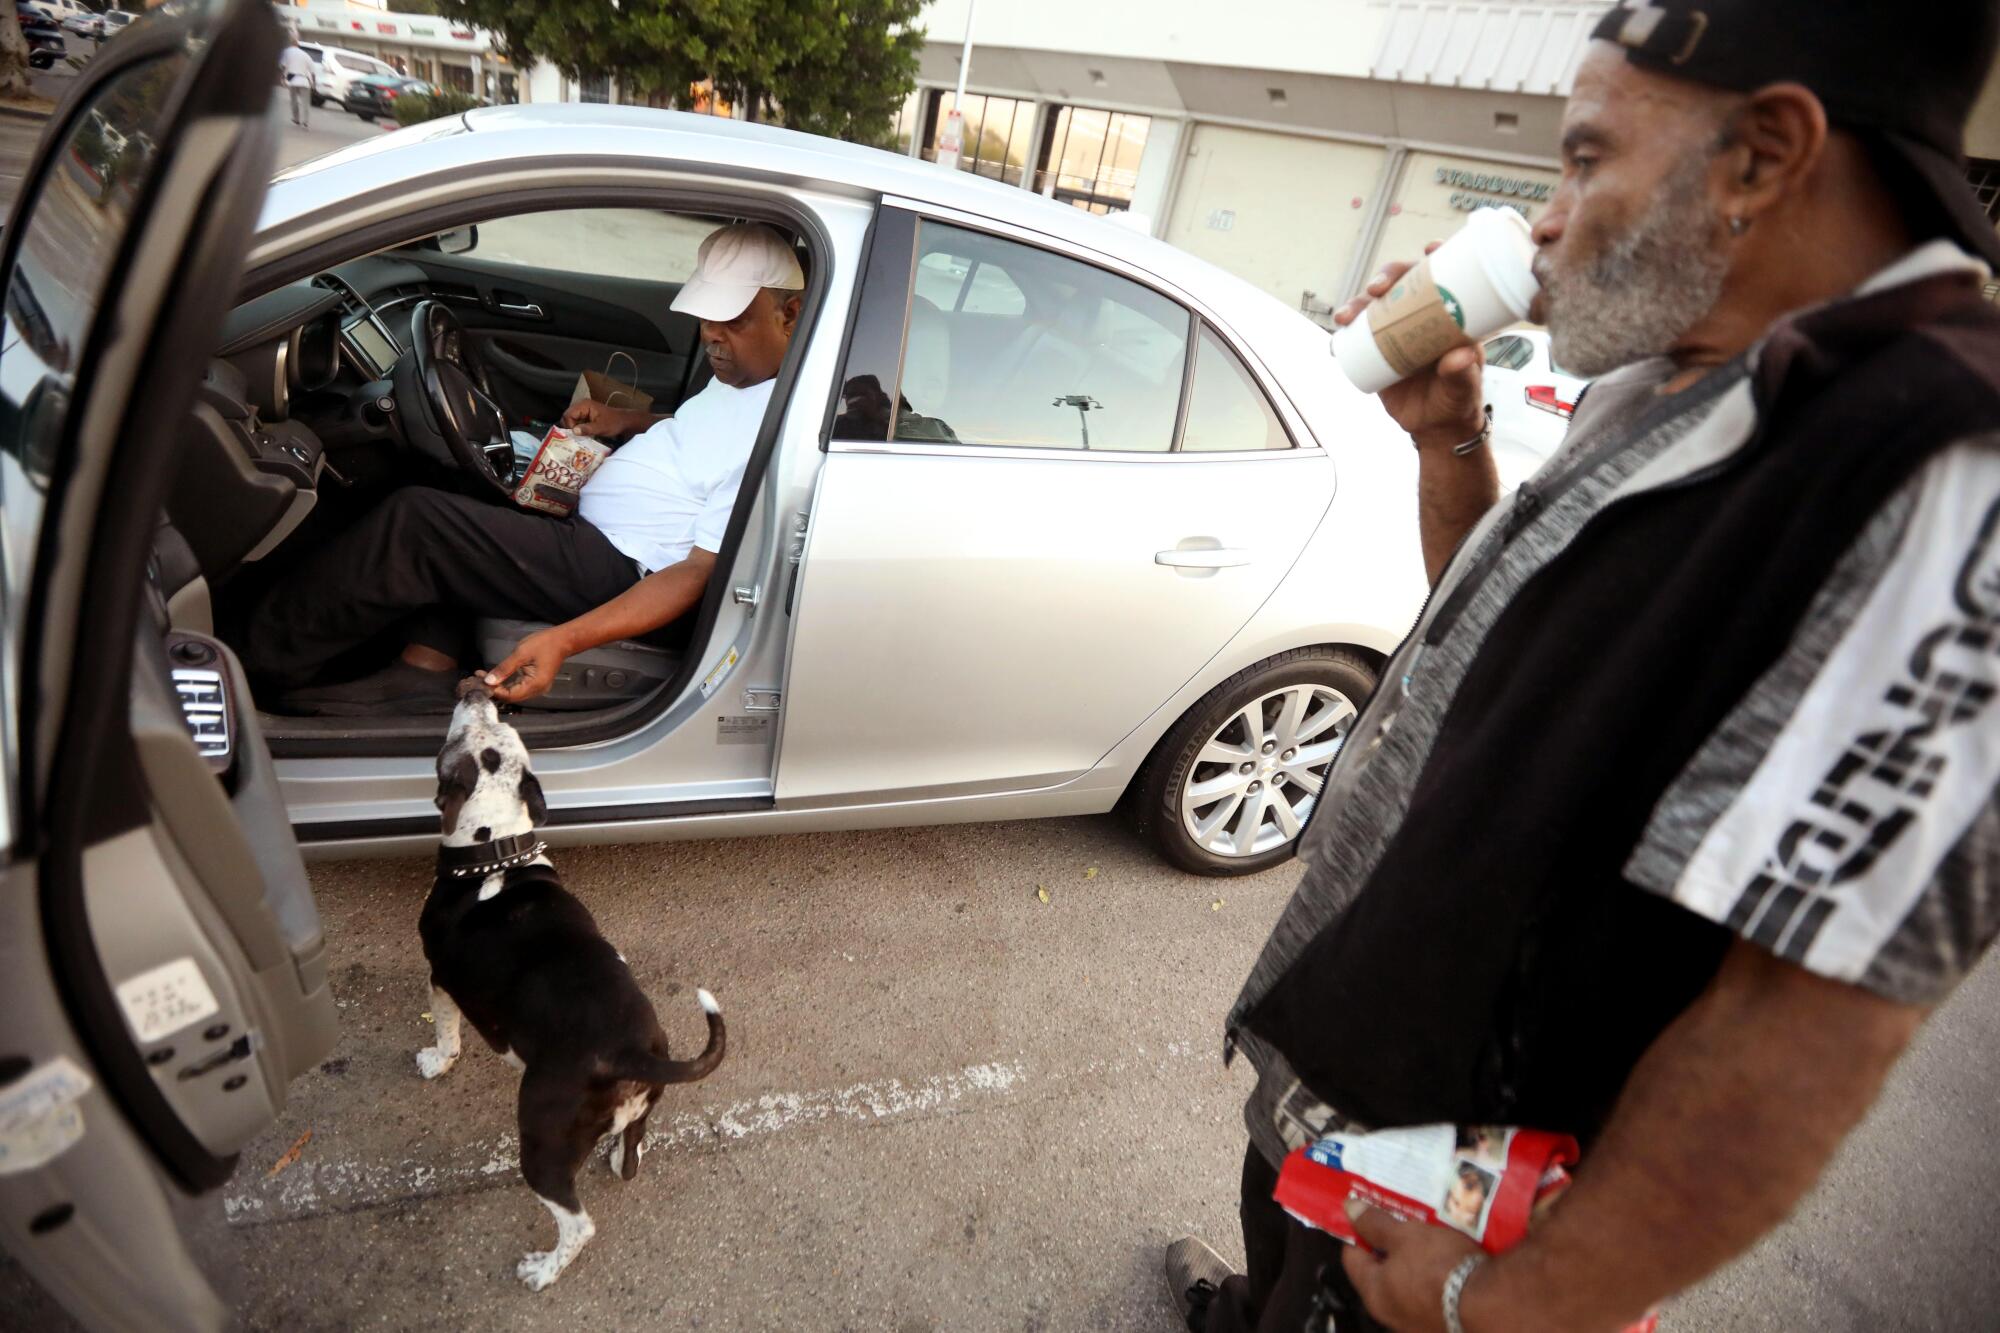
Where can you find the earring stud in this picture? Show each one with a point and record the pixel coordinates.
(1738, 225)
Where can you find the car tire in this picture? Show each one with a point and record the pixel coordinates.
(317, 100)
(1339, 680)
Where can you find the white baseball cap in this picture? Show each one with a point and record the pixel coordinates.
(733, 264)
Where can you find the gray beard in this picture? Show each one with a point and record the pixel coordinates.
(1647, 289)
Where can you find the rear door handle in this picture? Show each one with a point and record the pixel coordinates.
(1213, 558)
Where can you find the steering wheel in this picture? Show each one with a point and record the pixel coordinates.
(460, 396)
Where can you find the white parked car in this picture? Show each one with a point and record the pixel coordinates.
(115, 21)
(335, 68)
(62, 11)
(1531, 398)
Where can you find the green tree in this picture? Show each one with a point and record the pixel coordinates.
(413, 6)
(834, 67)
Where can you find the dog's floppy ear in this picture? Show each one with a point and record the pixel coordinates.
(458, 774)
(531, 795)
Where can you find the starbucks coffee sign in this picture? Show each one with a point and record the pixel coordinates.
(1486, 189)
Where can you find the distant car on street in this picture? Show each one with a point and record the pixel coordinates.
(116, 21)
(1531, 397)
(374, 96)
(84, 25)
(44, 37)
(62, 11)
(334, 68)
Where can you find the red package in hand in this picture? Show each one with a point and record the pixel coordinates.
(1481, 1180)
(1488, 1181)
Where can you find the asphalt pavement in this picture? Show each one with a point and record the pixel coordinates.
(946, 1105)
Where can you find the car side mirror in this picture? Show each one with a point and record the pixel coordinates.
(458, 241)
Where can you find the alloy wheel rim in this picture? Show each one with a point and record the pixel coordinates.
(1255, 781)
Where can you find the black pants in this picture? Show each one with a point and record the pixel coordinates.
(429, 560)
(1286, 1266)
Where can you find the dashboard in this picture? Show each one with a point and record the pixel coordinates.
(300, 377)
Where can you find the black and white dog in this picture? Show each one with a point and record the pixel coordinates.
(510, 950)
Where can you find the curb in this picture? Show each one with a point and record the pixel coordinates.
(15, 113)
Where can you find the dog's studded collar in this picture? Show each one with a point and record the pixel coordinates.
(486, 858)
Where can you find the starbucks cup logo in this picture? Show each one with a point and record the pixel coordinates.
(1477, 283)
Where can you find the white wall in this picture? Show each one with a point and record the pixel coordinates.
(1314, 36)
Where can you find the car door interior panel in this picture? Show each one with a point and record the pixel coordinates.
(149, 861)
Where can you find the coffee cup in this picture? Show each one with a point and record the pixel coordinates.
(1475, 284)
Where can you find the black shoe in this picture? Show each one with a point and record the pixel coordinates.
(398, 688)
(1194, 1275)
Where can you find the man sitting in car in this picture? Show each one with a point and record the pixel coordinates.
(636, 557)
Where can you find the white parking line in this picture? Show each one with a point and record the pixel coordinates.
(320, 1185)
(338, 1185)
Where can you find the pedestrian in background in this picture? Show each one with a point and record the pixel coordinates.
(297, 69)
(1676, 812)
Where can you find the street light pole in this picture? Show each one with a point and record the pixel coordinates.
(1083, 403)
(952, 133)
(965, 56)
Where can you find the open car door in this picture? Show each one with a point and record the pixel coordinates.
(162, 976)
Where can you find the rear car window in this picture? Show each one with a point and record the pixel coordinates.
(1010, 344)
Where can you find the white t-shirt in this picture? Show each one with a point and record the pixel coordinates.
(671, 489)
(297, 66)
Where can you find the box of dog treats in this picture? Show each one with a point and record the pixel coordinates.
(554, 482)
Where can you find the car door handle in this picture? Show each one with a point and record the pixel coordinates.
(1226, 557)
(526, 309)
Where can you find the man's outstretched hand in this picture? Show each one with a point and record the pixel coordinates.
(593, 418)
(1400, 1268)
(531, 668)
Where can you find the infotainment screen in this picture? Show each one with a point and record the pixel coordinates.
(377, 352)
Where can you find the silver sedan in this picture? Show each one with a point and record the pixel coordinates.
(1130, 538)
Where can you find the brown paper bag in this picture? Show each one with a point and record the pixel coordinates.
(609, 390)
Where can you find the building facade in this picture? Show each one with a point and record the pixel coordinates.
(1299, 149)
(450, 55)
(1298, 143)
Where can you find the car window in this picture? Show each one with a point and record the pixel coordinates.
(1227, 411)
(1509, 353)
(639, 243)
(70, 233)
(1010, 344)
(967, 286)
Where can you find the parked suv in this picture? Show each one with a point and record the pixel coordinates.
(334, 69)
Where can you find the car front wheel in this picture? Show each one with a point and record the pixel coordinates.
(1229, 790)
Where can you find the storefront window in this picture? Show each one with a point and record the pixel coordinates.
(908, 117)
(594, 88)
(1091, 158)
(458, 78)
(997, 130)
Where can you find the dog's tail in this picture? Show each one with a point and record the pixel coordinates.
(651, 1069)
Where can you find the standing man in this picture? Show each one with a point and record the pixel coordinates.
(297, 69)
(1677, 810)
